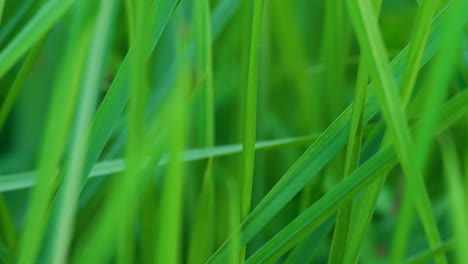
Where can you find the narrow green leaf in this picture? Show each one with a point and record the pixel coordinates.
(31, 33)
(342, 193)
(372, 45)
(437, 84)
(314, 159)
(18, 83)
(250, 111)
(170, 215)
(60, 115)
(430, 254)
(454, 180)
(204, 219)
(353, 153)
(64, 219)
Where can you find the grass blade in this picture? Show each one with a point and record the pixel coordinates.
(353, 153)
(453, 177)
(314, 159)
(64, 219)
(204, 219)
(319, 212)
(36, 28)
(61, 113)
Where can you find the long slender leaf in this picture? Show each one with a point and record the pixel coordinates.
(319, 212)
(39, 25)
(314, 159)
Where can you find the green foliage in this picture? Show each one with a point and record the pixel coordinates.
(198, 131)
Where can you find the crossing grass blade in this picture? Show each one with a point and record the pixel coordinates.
(418, 41)
(353, 153)
(18, 83)
(95, 63)
(315, 158)
(430, 254)
(437, 84)
(453, 178)
(320, 211)
(204, 219)
(250, 111)
(65, 90)
(371, 41)
(30, 34)
(168, 242)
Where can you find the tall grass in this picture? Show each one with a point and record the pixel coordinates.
(200, 131)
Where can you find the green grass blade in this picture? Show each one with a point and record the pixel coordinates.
(2, 5)
(371, 42)
(8, 235)
(18, 181)
(64, 219)
(437, 85)
(319, 212)
(454, 179)
(36, 28)
(18, 83)
(430, 254)
(353, 153)
(250, 111)
(170, 215)
(314, 159)
(204, 219)
(61, 113)
(138, 32)
(418, 41)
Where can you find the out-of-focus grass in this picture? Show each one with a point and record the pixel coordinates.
(198, 131)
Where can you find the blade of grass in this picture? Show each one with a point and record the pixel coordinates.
(2, 5)
(170, 215)
(135, 124)
(426, 256)
(342, 193)
(250, 111)
(116, 98)
(415, 54)
(8, 235)
(18, 83)
(303, 253)
(32, 32)
(353, 153)
(64, 220)
(437, 85)
(60, 115)
(204, 219)
(313, 160)
(454, 180)
(371, 43)
(18, 181)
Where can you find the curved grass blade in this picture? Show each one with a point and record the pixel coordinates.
(419, 40)
(18, 181)
(437, 84)
(64, 219)
(371, 43)
(18, 83)
(454, 179)
(353, 154)
(315, 158)
(204, 218)
(32, 32)
(315, 215)
(60, 116)
(425, 257)
(250, 112)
